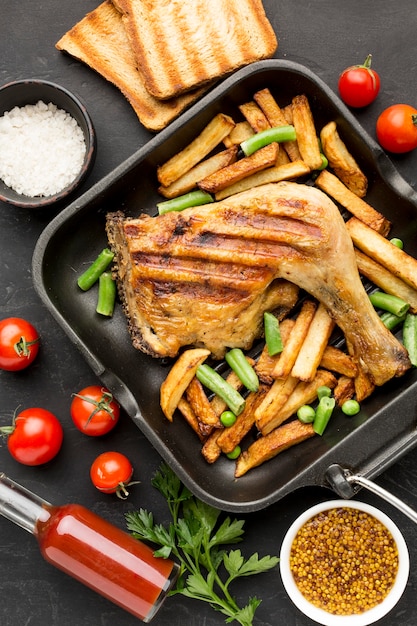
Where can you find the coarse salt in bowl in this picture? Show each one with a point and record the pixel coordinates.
(341, 527)
(47, 143)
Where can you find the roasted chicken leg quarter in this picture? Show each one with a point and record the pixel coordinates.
(206, 275)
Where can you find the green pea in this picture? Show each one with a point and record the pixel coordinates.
(306, 414)
(227, 418)
(234, 453)
(324, 392)
(351, 407)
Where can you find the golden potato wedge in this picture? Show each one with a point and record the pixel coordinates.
(275, 399)
(233, 173)
(238, 134)
(333, 186)
(304, 393)
(210, 449)
(305, 128)
(341, 161)
(268, 447)
(190, 417)
(336, 360)
(314, 345)
(189, 180)
(383, 251)
(276, 117)
(344, 390)
(287, 171)
(385, 279)
(200, 404)
(178, 379)
(254, 116)
(364, 386)
(294, 342)
(198, 149)
(232, 436)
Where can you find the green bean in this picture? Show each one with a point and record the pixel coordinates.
(228, 418)
(351, 407)
(272, 332)
(193, 198)
(216, 383)
(324, 162)
(389, 303)
(323, 391)
(410, 337)
(323, 414)
(263, 138)
(243, 369)
(92, 273)
(390, 320)
(306, 414)
(106, 294)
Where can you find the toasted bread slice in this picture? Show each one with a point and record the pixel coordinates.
(100, 41)
(182, 44)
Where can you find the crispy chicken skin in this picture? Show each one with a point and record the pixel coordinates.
(206, 275)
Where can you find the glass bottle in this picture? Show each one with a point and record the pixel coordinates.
(91, 550)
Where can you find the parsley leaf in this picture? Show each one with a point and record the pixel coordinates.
(194, 537)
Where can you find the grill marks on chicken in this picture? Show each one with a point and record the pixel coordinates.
(206, 275)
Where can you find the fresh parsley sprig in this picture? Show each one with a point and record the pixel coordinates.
(195, 537)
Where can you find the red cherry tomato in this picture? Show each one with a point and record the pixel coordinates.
(35, 437)
(396, 128)
(111, 472)
(359, 85)
(19, 344)
(94, 411)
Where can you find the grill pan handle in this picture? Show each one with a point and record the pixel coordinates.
(346, 484)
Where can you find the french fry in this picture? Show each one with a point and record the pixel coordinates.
(268, 447)
(239, 133)
(315, 342)
(344, 390)
(304, 393)
(336, 360)
(210, 449)
(233, 173)
(385, 280)
(198, 149)
(381, 250)
(306, 132)
(201, 406)
(189, 180)
(190, 417)
(276, 117)
(294, 342)
(254, 116)
(341, 161)
(231, 437)
(287, 171)
(178, 379)
(333, 186)
(275, 399)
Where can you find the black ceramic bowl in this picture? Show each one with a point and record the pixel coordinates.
(29, 92)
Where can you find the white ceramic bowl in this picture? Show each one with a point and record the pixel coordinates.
(321, 616)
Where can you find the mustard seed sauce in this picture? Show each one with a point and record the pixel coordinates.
(344, 561)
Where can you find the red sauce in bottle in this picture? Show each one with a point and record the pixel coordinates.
(105, 558)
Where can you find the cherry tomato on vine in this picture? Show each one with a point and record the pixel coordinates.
(359, 85)
(396, 128)
(111, 472)
(19, 344)
(35, 437)
(94, 411)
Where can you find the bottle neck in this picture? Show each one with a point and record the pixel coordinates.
(21, 506)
